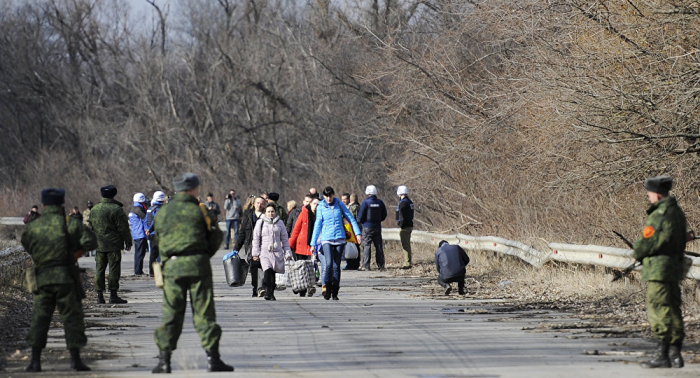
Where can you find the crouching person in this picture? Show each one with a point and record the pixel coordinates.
(187, 238)
(54, 247)
(451, 262)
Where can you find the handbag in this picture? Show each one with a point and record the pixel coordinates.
(351, 251)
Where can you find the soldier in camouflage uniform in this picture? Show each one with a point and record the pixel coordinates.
(660, 249)
(54, 247)
(111, 226)
(187, 239)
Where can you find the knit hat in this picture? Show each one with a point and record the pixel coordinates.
(371, 190)
(186, 181)
(53, 196)
(109, 191)
(658, 184)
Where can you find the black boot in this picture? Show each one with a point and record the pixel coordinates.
(675, 355)
(75, 362)
(334, 292)
(100, 297)
(35, 364)
(661, 359)
(214, 362)
(163, 363)
(114, 298)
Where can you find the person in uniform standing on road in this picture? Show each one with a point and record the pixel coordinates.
(187, 239)
(54, 247)
(660, 249)
(404, 218)
(137, 223)
(111, 227)
(372, 214)
(86, 212)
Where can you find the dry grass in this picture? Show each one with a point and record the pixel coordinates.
(588, 293)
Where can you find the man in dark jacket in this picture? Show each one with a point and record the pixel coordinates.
(372, 214)
(213, 207)
(111, 227)
(404, 218)
(451, 262)
(32, 214)
(244, 244)
(137, 223)
(54, 247)
(156, 203)
(661, 251)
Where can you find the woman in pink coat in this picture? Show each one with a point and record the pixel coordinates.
(271, 248)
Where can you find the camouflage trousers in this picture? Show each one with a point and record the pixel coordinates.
(664, 311)
(174, 305)
(64, 297)
(114, 260)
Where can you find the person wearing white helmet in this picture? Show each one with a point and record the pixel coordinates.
(157, 201)
(372, 214)
(404, 218)
(137, 217)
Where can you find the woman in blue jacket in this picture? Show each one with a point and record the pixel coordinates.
(329, 232)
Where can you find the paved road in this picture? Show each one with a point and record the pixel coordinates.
(381, 327)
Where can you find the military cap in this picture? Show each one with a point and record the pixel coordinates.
(109, 191)
(53, 196)
(89, 202)
(273, 196)
(186, 181)
(658, 184)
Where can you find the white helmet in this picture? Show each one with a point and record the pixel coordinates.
(158, 196)
(139, 197)
(371, 190)
(401, 190)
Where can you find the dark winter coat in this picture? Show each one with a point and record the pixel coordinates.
(292, 219)
(372, 213)
(404, 213)
(451, 261)
(244, 239)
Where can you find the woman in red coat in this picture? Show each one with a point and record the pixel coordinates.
(299, 240)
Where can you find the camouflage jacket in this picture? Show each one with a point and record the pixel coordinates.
(354, 209)
(184, 238)
(46, 241)
(661, 247)
(111, 225)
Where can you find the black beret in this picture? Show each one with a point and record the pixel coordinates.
(186, 181)
(53, 196)
(109, 191)
(273, 196)
(658, 184)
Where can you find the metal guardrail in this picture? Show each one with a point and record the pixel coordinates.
(610, 257)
